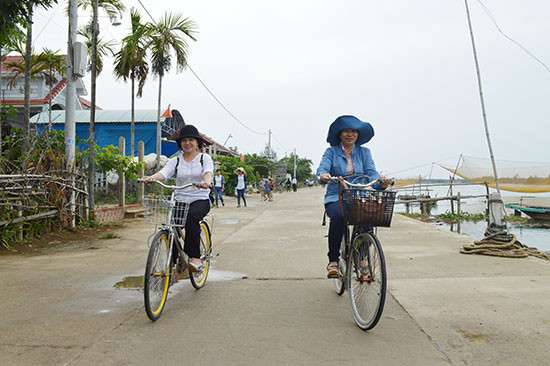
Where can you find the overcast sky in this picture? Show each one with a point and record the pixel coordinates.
(405, 66)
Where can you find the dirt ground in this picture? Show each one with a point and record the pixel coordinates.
(65, 239)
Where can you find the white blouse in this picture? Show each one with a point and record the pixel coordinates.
(189, 172)
(240, 182)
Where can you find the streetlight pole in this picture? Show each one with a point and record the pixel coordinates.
(91, 148)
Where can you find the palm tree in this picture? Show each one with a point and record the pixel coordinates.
(53, 61)
(113, 8)
(131, 62)
(104, 48)
(167, 35)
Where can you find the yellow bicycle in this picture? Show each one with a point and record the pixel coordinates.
(169, 218)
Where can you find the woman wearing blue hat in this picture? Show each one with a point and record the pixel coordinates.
(344, 157)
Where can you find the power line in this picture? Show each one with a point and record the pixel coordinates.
(279, 142)
(49, 21)
(221, 104)
(208, 89)
(493, 20)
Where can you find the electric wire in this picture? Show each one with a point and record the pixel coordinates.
(49, 20)
(493, 20)
(279, 142)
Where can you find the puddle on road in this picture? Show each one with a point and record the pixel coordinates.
(229, 222)
(130, 282)
(136, 282)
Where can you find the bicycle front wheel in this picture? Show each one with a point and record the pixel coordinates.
(340, 281)
(198, 279)
(366, 280)
(157, 275)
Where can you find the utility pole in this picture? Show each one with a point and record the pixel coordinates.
(70, 97)
(91, 178)
(294, 176)
(269, 146)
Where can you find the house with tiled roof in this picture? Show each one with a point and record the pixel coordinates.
(12, 92)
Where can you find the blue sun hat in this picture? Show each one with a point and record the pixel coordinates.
(366, 132)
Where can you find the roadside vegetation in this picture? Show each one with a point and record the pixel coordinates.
(450, 218)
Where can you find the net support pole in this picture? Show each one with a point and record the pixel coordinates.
(496, 206)
(481, 98)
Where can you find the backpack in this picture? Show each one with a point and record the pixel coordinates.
(210, 194)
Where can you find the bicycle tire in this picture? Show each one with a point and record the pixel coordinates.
(367, 293)
(157, 275)
(340, 282)
(198, 279)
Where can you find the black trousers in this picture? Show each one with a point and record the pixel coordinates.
(197, 211)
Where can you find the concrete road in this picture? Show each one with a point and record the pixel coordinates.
(267, 301)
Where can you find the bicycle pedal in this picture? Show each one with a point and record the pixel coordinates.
(333, 275)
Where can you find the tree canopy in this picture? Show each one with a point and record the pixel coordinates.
(15, 14)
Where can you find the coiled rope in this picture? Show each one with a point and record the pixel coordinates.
(502, 244)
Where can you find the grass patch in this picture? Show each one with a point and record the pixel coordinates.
(109, 236)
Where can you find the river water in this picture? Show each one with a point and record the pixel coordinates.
(532, 236)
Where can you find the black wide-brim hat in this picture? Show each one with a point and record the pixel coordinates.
(189, 131)
(366, 132)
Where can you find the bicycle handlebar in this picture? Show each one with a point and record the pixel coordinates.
(167, 186)
(356, 185)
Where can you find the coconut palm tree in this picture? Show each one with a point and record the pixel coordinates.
(53, 61)
(105, 48)
(169, 35)
(112, 8)
(131, 63)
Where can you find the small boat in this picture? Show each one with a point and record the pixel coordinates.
(535, 212)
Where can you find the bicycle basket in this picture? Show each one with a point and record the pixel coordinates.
(367, 207)
(157, 209)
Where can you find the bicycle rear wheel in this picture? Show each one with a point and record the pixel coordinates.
(198, 279)
(157, 275)
(366, 280)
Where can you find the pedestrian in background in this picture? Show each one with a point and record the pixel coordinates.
(219, 186)
(294, 184)
(263, 195)
(268, 189)
(241, 185)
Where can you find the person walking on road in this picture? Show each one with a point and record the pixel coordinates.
(190, 167)
(241, 185)
(268, 190)
(219, 186)
(294, 184)
(345, 157)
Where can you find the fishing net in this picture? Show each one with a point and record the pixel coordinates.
(514, 176)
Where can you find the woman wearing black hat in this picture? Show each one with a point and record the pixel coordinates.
(190, 167)
(344, 157)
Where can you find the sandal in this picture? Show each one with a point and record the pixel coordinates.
(194, 267)
(332, 270)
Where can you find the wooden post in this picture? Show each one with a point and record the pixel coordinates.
(458, 210)
(141, 153)
(451, 194)
(19, 227)
(121, 180)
